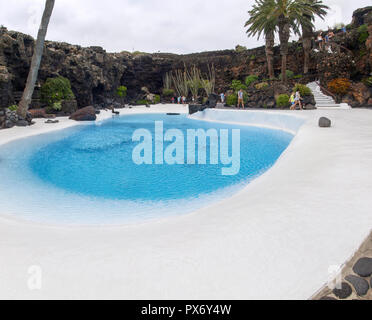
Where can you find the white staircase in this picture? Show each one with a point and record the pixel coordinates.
(323, 101)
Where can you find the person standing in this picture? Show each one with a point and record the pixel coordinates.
(326, 42)
(297, 101)
(179, 100)
(222, 95)
(183, 100)
(241, 98)
(319, 40)
(292, 99)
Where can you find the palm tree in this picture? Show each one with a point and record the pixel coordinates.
(258, 24)
(36, 59)
(319, 10)
(287, 15)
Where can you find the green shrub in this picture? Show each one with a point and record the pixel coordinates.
(138, 53)
(290, 75)
(299, 76)
(57, 106)
(251, 79)
(168, 92)
(141, 102)
(156, 99)
(205, 99)
(232, 100)
(236, 85)
(13, 107)
(121, 91)
(240, 48)
(363, 33)
(252, 57)
(304, 90)
(368, 82)
(55, 90)
(362, 52)
(262, 85)
(283, 101)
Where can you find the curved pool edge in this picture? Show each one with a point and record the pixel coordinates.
(292, 223)
(65, 123)
(290, 123)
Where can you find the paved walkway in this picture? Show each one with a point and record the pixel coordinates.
(276, 239)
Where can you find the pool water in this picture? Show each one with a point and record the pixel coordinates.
(86, 174)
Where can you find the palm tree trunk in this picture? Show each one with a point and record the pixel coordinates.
(36, 59)
(270, 53)
(307, 33)
(284, 33)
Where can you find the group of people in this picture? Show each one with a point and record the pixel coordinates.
(295, 99)
(240, 98)
(179, 100)
(323, 40)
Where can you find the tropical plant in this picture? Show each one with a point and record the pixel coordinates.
(142, 102)
(232, 100)
(368, 82)
(57, 106)
(13, 107)
(250, 79)
(168, 92)
(258, 24)
(236, 85)
(287, 16)
(304, 90)
(208, 82)
(156, 99)
(339, 86)
(282, 101)
(121, 92)
(240, 48)
(36, 60)
(261, 86)
(289, 75)
(181, 83)
(167, 81)
(55, 90)
(363, 33)
(194, 80)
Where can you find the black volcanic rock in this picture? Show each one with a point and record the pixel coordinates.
(84, 114)
(95, 74)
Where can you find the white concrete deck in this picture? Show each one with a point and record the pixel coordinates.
(274, 240)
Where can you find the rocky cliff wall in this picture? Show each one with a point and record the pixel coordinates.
(95, 74)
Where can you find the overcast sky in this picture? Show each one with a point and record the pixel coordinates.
(179, 26)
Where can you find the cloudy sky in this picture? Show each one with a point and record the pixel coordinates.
(179, 26)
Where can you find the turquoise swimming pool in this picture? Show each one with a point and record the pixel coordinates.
(87, 174)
